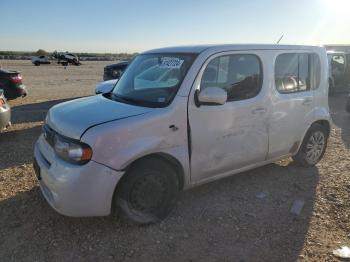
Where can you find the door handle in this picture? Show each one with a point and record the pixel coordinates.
(259, 110)
(307, 102)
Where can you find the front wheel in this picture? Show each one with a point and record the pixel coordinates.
(313, 147)
(148, 192)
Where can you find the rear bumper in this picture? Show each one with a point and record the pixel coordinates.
(22, 90)
(75, 190)
(15, 91)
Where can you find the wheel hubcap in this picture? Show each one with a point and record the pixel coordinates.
(314, 147)
(147, 193)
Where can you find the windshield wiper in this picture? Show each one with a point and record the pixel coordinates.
(133, 101)
(124, 99)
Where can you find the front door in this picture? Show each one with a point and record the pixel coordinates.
(234, 135)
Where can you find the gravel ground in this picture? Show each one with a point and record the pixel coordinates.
(242, 218)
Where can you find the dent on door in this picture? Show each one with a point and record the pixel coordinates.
(233, 135)
(226, 139)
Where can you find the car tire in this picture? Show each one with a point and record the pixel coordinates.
(148, 192)
(37, 63)
(313, 147)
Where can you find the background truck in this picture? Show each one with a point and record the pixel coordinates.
(38, 60)
(66, 58)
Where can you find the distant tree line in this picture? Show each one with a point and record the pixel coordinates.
(16, 55)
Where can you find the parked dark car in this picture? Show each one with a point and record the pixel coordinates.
(5, 112)
(114, 71)
(11, 83)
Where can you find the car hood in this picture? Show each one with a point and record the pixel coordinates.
(73, 118)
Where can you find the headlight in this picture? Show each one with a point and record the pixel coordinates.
(72, 151)
(116, 73)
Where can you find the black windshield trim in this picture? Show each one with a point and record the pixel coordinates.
(135, 102)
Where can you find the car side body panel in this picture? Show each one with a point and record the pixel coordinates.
(118, 143)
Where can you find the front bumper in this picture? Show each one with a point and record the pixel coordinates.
(75, 190)
(107, 77)
(5, 116)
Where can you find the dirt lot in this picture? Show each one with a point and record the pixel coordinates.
(228, 220)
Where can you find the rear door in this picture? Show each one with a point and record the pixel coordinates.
(293, 101)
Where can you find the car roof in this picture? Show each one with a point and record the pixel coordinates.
(201, 48)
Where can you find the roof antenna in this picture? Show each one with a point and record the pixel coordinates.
(279, 40)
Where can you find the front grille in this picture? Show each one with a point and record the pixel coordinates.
(108, 70)
(49, 135)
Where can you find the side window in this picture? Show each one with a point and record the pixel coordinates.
(297, 72)
(239, 75)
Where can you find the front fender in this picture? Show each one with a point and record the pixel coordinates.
(119, 143)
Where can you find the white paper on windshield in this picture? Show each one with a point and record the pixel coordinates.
(161, 99)
(171, 62)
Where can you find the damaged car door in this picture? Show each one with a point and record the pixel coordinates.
(229, 135)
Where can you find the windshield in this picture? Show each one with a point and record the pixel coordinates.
(152, 80)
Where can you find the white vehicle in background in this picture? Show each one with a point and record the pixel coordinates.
(38, 60)
(180, 117)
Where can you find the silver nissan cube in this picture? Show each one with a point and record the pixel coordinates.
(180, 117)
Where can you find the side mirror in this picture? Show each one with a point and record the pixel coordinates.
(211, 96)
(105, 87)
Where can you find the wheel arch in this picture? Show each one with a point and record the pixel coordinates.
(323, 122)
(167, 158)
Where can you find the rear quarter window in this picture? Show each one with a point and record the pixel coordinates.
(297, 72)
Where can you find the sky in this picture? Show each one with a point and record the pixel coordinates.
(133, 26)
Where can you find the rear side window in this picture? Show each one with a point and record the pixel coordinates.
(297, 72)
(240, 75)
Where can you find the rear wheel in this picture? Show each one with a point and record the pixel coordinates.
(313, 146)
(148, 192)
